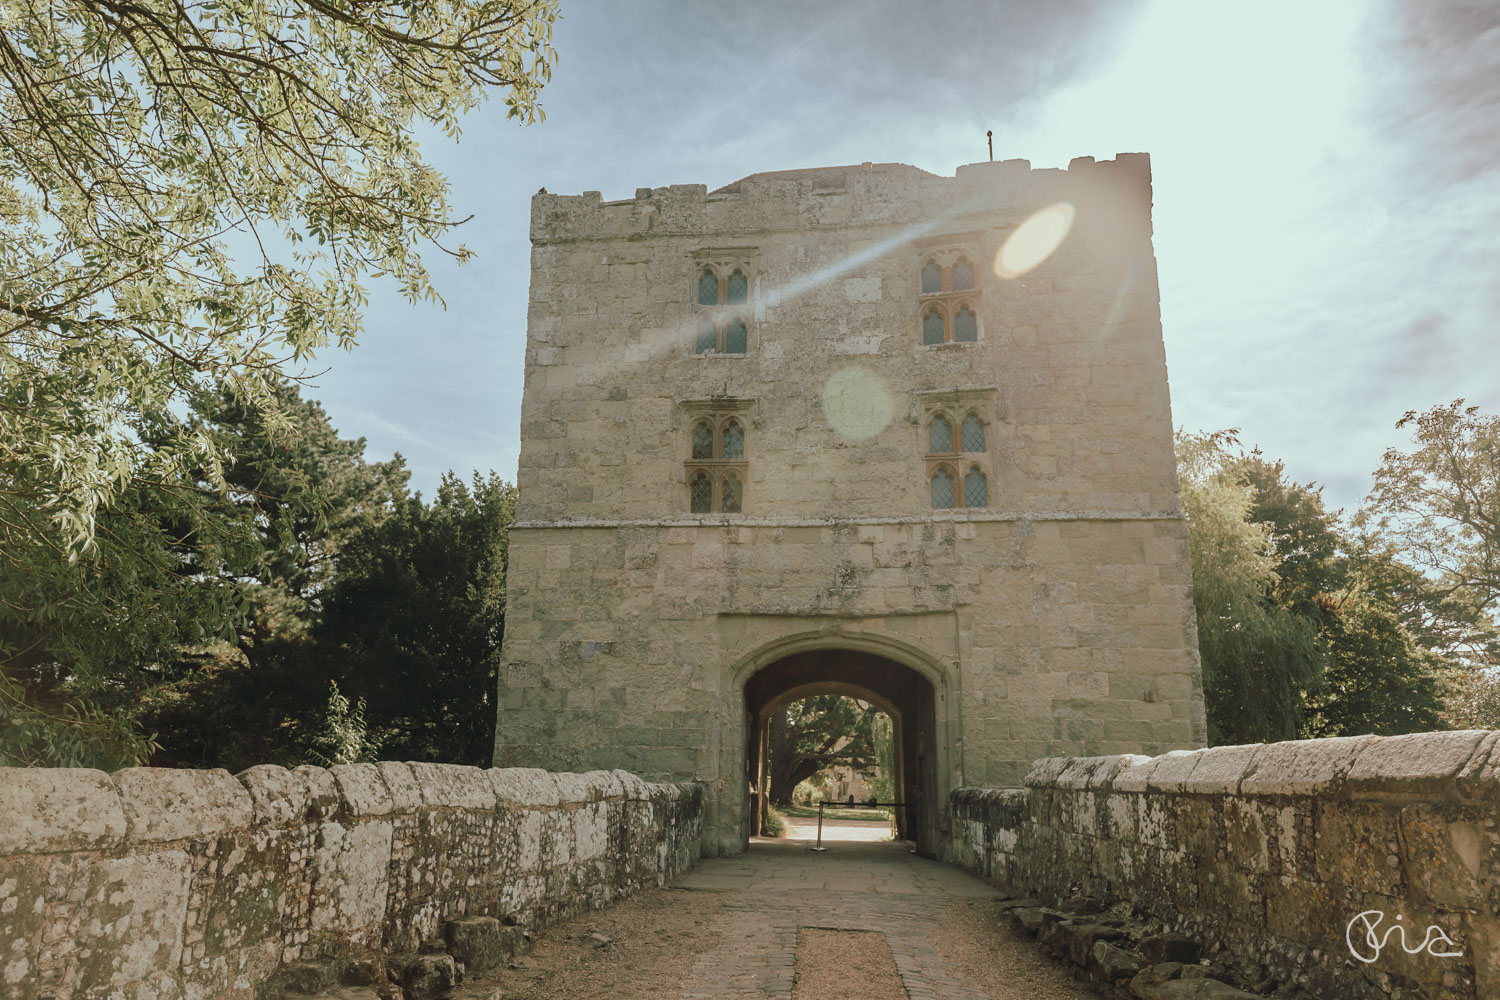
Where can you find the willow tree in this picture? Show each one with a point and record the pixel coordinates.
(1259, 657)
(193, 194)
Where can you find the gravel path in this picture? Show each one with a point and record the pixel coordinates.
(845, 965)
(652, 941)
(776, 923)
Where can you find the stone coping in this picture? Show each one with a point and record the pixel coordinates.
(53, 810)
(1465, 763)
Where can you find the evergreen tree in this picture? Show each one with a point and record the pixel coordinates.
(413, 621)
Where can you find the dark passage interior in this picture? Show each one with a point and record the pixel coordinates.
(902, 693)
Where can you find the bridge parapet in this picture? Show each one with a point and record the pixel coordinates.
(1307, 863)
(181, 883)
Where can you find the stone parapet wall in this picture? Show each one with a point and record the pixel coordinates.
(164, 884)
(1266, 853)
(827, 198)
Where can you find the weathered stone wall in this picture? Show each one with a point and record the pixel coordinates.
(1056, 619)
(165, 884)
(1265, 854)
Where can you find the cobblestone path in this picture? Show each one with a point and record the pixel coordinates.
(728, 930)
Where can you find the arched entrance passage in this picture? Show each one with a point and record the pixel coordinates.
(899, 691)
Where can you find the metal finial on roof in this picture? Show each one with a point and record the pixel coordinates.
(989, 135)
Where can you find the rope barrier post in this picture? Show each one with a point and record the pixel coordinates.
(820, 846)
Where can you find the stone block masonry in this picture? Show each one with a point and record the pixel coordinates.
(177, 884)
(1317, 868)
(741, 410)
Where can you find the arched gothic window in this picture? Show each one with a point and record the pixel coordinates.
(734, 442)
(702, 492)
(736, 338)
(948, 438)
(731, 494)
(965, 326)
(716, 469)
(703, 440)
(973, 434)
(963, 276)
(950, 299)
(976, 489)
(932, 278)
(725, 332)
(942, 489)
(932, 326)
(940, 437)
(708, 288)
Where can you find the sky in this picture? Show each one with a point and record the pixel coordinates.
(1326, 191)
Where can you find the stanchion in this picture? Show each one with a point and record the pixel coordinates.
(818, 847)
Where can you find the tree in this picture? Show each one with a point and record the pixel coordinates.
(1377, 677)
(1258, 656)
(1441, 501)
(413, 621)
(304, 490)
(1475, 700)
(883, 780)
(815, 733)
(345, 736)
(192, 193)
(300, 491)
(79, 638)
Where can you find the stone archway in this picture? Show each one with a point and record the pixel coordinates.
(906, 695)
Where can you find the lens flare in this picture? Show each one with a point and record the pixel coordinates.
(856, 403)
(1034, 240)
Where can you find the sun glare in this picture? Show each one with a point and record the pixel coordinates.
(1034, 240)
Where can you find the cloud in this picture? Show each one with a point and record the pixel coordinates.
(1435, 65)
(1327, 215)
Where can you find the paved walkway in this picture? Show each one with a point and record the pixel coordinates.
(779, 886)
(802, 828)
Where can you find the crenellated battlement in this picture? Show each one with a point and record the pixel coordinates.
(833, 197)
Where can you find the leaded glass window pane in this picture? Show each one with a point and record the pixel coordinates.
(963, 276)
(976, 489)
(932, 278)
(940, 437)
(708, 340)
(737, 288)
(708, 289)
(732, 495)
(932, 327)
(703, 494)
(973, 434)
(736, 338)
(965, 325)
(703, 441)
(942, 490)
(734, 443)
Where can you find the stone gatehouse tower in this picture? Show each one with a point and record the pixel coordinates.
(860, 430)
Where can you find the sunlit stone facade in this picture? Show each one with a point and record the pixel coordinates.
(730, 461)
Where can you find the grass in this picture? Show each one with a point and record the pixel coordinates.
(775, 825)
(830, 812)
